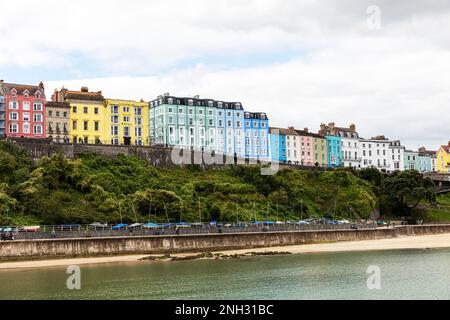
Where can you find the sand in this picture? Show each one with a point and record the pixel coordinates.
(407, 242)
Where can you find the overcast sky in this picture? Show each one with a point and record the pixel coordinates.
(302, 61)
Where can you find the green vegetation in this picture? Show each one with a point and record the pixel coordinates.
(436, 212)
(91, 188)
(400, 193)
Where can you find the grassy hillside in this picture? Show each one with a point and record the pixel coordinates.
(439, 212)
(91, 188)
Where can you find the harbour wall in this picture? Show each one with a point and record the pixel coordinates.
(107, 246)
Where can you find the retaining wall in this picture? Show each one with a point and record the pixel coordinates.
(84, 247)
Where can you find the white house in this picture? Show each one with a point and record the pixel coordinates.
(375, 153)
(293, 147)
(396, 156)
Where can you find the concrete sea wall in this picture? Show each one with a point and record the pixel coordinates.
(86, 247)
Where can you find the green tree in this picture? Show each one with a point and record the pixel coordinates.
(406, 189)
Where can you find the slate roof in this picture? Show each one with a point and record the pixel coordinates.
(32, 89)
(284, 131)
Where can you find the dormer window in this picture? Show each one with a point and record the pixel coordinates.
(14, 92)
(26, 93)
(38, 95)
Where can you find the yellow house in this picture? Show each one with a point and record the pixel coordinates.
(87, 115)
(127, 122)
(443, 159)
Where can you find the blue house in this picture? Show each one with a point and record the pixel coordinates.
(334, 145)
(256, 128)
(277, 137)
(233, 118)
(427, 160)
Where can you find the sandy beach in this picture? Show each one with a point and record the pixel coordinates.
(412, 242)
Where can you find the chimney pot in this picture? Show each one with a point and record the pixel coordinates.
(306, 129)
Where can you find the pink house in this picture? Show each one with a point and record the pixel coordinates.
(306, 147)
(25, 110)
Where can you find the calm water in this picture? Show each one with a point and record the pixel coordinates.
(412, 274)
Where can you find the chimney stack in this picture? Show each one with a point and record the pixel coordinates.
(84, 89)
(353, 127)
(306, 130)
(449, 143)
(292, 128)
(41, 85)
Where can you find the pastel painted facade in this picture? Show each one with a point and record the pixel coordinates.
(306, 147)
(58, 121)
(396, 156)
(427, 160)
(219, 126)
(375, 153)
(349, 143)
(320, 150)
(196, 123)
(24, 110)
(443, 159)
(334, 144)
(128, 122)
(411, 160)
(88, 116)
(256, 136)
(277, 137)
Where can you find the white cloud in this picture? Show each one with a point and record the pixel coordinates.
(321, 62)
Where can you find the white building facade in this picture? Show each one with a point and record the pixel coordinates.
(375, 153)
(396, 156)
(293, 149)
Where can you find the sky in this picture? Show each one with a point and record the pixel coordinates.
(382, 65)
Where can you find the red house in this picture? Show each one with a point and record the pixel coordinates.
(24, 110)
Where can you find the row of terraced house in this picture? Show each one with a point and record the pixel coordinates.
(73, 116)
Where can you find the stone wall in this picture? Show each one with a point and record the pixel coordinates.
(87, 247)
(83, 247)
(156, 156)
